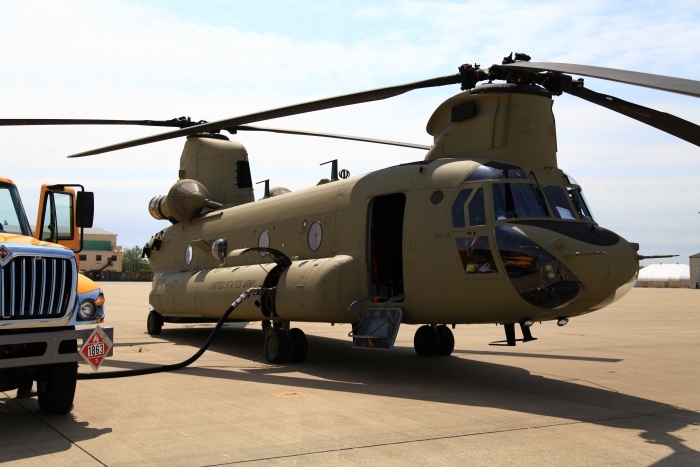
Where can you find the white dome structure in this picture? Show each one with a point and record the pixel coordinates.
(664, 276)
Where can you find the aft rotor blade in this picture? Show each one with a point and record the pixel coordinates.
(671, 124)
(296, 109)
(328, 135)
(688, 87)
(175, 123)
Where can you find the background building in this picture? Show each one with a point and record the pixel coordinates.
(100, 251)
(695, 271)
(664, 276)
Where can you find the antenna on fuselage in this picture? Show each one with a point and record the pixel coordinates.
(334, 169)
(267, 188)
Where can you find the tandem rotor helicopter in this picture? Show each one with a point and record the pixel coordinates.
(486, 228)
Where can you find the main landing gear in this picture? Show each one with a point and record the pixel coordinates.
(283, 344)
(434, 340)
(154, 323)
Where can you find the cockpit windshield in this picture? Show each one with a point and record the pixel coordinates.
(495, 171)
(12, 217)
(517, 201)
(559, 202)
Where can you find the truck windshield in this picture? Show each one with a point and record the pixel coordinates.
(517, 200)
(12, 217)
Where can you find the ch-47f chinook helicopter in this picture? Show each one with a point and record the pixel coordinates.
(486, 228)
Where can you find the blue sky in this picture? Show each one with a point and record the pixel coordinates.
(217, 59)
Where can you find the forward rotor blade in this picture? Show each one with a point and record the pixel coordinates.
(175, 123)
(329, 135)
(296, 109)
(671, 124)
(688, 87)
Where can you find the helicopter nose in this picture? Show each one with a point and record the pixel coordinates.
(552, 270)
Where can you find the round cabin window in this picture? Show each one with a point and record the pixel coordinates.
(436, 197)
(188, 254)
(264, 241)
(315, 236)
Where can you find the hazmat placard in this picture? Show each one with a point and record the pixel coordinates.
(96, 348)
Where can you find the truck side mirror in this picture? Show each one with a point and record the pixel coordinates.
(85, 209)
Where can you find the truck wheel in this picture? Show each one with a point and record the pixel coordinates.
(154, 323)
(276, 346)
(56, 388)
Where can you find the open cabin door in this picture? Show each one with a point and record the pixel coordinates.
(385, 243)
(63, 214)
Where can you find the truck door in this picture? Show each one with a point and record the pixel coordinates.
(63, 214)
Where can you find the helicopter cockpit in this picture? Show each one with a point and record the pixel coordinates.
(515, 196)
(537, 275)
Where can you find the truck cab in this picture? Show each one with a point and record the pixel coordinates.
(45, 303)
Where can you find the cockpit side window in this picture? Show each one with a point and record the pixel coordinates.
(579, 202)
(477, 212)
(458, 208)
(495, 171)
(559, 202)
(516, 201)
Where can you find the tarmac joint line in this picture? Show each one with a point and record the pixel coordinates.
(437, 438)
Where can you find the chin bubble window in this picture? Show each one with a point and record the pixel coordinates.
(536, 275)
(476, 255)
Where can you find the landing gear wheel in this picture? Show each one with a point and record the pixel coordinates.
(447, 340)
(276, 346)
(266, 325)
(426, 341)
(56, 388)
(299, 345)
(154, 323)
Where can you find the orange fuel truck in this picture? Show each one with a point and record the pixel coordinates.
(46, 306)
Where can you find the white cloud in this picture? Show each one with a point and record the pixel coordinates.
(124, 60)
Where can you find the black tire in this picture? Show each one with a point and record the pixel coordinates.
(426, 341)
(276, 346)
(300, 346)
(56, 388)
(447, 341)
(154, 323)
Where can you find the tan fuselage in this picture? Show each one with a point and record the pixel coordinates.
(320, 285)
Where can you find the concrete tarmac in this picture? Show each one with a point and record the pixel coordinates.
(620, 386)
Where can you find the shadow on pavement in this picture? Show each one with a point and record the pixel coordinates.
(21, 425)
(335, 366)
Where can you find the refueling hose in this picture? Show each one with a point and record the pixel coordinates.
(176, 366)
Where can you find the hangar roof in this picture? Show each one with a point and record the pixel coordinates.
(665, 272)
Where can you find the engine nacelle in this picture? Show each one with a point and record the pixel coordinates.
(184, 202)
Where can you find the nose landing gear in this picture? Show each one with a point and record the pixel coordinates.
(433, 340)
(510, 334)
